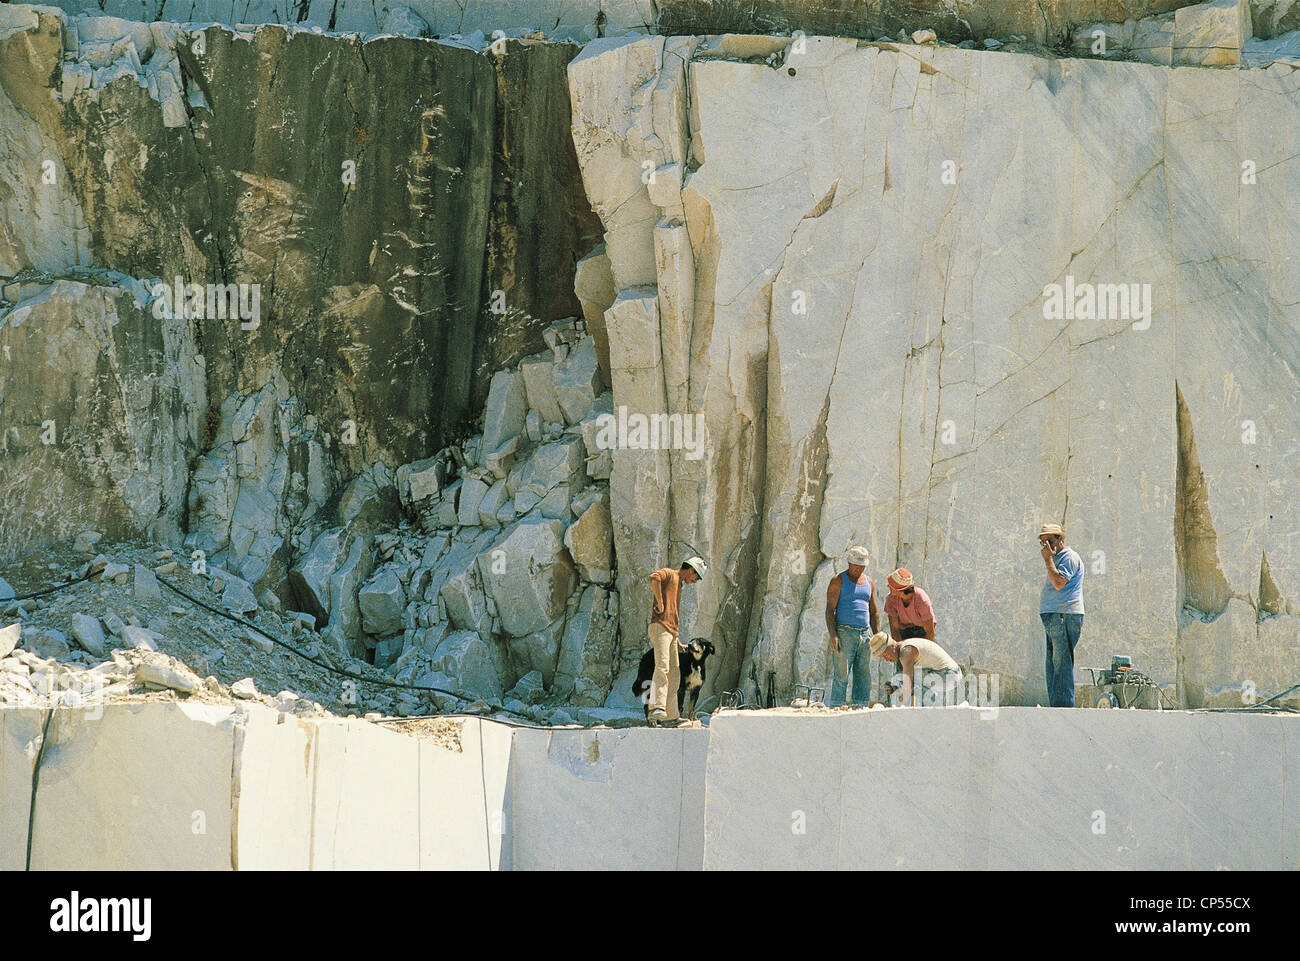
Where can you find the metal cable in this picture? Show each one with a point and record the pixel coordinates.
(306, 657)
(322, 664)
(465, 697)
(48, 590)
(443, 717)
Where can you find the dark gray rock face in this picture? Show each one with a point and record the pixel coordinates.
(102, 406)
(537, 190)
(377, 196)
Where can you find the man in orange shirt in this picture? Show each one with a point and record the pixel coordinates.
(666, 586)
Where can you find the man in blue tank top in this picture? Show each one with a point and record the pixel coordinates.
(851, 620)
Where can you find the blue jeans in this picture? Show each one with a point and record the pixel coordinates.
(1063, 632)
(853, 656)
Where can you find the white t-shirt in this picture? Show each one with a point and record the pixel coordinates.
(929, 655)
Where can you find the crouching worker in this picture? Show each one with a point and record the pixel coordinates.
(666, 587)
(917, 657)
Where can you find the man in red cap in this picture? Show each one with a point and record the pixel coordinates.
(908, 607)
(910, 615)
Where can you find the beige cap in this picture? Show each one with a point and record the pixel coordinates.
(697, 564)
(858, 556)
(878, 642)
(1055, 529)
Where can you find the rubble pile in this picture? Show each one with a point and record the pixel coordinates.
(496, 582)
(498, 578)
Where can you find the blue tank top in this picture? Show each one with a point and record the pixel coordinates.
(854, 603)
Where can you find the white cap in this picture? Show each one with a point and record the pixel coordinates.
(698, 565)
(858, 556)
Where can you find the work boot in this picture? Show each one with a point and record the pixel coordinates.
(657, 718)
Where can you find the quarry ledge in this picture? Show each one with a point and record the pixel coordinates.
(1008, 787)
(727, 32)
(582, 20)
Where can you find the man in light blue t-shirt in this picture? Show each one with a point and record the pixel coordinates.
(1061, 608)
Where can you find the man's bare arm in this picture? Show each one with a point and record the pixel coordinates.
(832, 601)
(1056, 577)
(906, 662)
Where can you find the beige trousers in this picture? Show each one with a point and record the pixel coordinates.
(667, 675)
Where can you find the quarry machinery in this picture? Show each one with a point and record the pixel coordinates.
(1120, 685)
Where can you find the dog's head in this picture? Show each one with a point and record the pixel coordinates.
(699, 649)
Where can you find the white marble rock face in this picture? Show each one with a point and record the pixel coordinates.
(1018, 770)
(872, 232)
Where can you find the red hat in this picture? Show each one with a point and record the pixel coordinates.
(901, 578)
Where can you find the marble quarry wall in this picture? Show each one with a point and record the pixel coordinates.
(875, 288)
(402, 249)
(576, 20)
(610, 800)
(583, 20)
(253, 788)
(247, 789)
(841, 256)
(1114, 790)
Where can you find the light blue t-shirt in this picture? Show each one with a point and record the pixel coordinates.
(1069, 599)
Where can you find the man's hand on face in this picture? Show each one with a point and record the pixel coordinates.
(1047, 549)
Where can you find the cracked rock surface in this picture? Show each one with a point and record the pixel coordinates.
(821, 265)
(376, 228)
(870, 350)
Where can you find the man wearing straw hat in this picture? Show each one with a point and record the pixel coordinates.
(1061, 610)
(940, 675)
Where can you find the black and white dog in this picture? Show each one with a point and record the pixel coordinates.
(691, 661)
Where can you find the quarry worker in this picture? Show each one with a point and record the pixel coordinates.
(908, 608)
(666, 588)
(1061, 610)
(910, 614)
(851, 620)
(920, 658)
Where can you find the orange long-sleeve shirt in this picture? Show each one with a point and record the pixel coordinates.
(666, 588)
